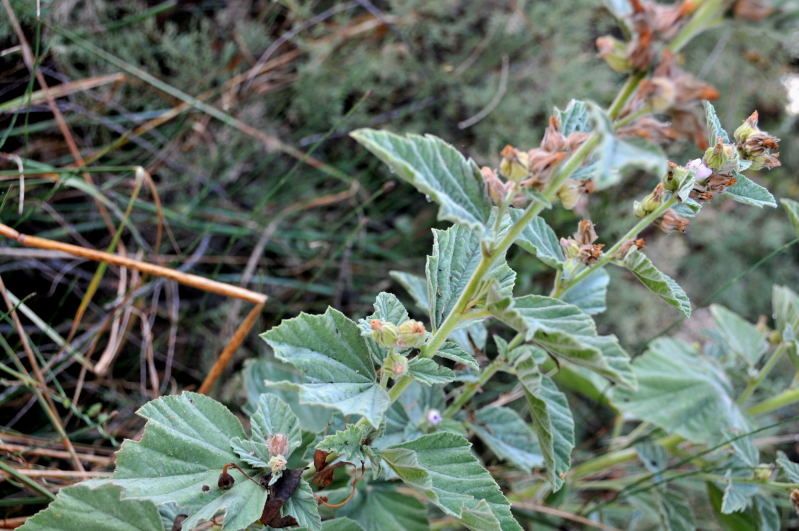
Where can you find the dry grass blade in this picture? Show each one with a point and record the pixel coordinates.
(187, 279)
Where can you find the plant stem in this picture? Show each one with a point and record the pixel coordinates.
(610, 253)
(498, 250)
(625, 94)
(764, 371)
(787, 397)
(472, 388)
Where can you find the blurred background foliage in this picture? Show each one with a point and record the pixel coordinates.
(409, 66)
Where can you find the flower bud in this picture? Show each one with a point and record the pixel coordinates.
(384, 333)
(763, 472)
(569, 193)
(498, 191)
(614, 53)
(571, 249)
(514, 164)
(397, 364)
(278, 444)
(277, 463)
(721, 157)
(411, 334)
(747, 128)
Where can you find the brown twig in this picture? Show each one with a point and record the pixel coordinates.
(195, 281)
(532, 506)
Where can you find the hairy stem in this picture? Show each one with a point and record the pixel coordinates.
(607, 256)
(764, 371)
(473, 387)
(498, 250)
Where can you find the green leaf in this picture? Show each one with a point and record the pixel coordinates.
(379, 506)
(552, 420)
(564, 330)
(674, 511)
(429, 372)
(257, 372)
(768, 519)
(347, 442)
(788, 467)
(737, 495)
(456, 254)
(508, 436)
(303, 507)
(415, 285)
(341, 524)
(590, 294)
(180, 457)
(748, 192)
(452, 351)
(792, 209)
(574, 118)
(436, 169)
(714, 128)
(658, 283)
(742, 337)
(785, 305)
(683, 392)
(335, 361)
(616, 157)
(99, 509)
(538, 239)
(733, 521)
(273, 416)
(443, 468)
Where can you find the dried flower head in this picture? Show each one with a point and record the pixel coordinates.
(672, 222)
(751, 10)
(278, 444)
(513, 166)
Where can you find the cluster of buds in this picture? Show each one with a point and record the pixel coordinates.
(676, 93)
(580, 248)
(278, 446)
(653, 24)
(409, 334)
(520, 171)
(756, 146)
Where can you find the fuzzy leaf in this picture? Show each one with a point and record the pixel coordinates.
(574, 118)
(617, 157)
(381, 507)
(443, 468)
(658, 282)
(452, 351)
(341, 524)
(303, 507)
(99, 509)
(415, 285)
(590, 294)
(714, 128)
(180, 457)
(429, 372)
(748, 192)
(564, 330)
(674, 511)
(347, 442)
(785, 305)
(335, 361)
(538, 239)
(273, 416)
(508, 436)
(436, 169)
(683, 392)
(742, 337)
(792, 209)
(456, 254)
(737, 495)
(552, 420)
(788, 467)
(258, 372)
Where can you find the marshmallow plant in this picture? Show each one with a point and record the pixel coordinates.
(372, 423)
